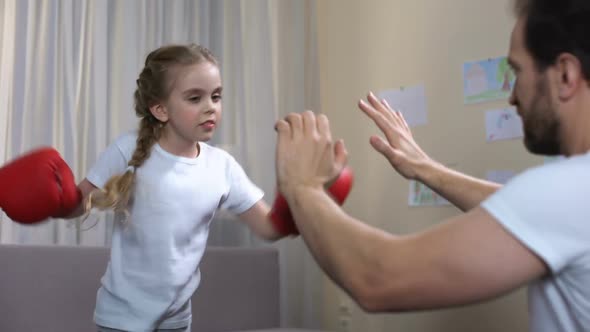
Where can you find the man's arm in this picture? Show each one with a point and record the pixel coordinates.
(466, 259)
(410, 161)
(462, 190)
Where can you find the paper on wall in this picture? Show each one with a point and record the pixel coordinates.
(502, 124)
(487, 80)
(410, 101)
(421, 195)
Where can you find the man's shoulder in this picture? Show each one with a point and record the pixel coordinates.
(573, 168)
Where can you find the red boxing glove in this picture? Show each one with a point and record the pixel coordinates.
(281, 216)
(37, 186)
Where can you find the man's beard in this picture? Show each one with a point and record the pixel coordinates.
(541, 125)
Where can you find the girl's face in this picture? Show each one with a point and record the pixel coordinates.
(193, 108)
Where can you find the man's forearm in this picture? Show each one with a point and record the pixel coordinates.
(344, 247)
(464, 191)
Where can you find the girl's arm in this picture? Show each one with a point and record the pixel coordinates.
(85, 188)
(259, 220)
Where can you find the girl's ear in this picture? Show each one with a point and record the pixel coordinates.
(160, 112)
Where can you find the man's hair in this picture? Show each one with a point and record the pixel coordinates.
(553, 27)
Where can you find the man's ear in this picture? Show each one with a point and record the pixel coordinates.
(160, 112)
(569, 70)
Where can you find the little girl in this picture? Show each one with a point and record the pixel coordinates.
(170, 183)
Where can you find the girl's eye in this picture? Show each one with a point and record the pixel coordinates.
(195, 99)
(216, 97)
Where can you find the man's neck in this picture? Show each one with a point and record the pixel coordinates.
(576, 126)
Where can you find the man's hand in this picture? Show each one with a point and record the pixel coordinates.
(399, 147)
(306, 155)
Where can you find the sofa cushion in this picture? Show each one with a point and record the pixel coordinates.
(49, 288)
(239, 290)
(53, 288)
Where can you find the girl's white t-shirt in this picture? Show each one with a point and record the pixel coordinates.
(156, 250)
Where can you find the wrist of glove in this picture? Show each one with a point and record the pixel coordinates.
(281, 216)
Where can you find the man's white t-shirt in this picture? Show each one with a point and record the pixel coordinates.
(548, 209)
(154, 264)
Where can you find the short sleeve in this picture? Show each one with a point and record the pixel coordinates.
(243, 194)
(546, 209)
(113, 160)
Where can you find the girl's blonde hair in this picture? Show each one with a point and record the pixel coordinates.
(153, 86)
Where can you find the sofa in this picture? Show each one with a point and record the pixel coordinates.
(53, 289)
